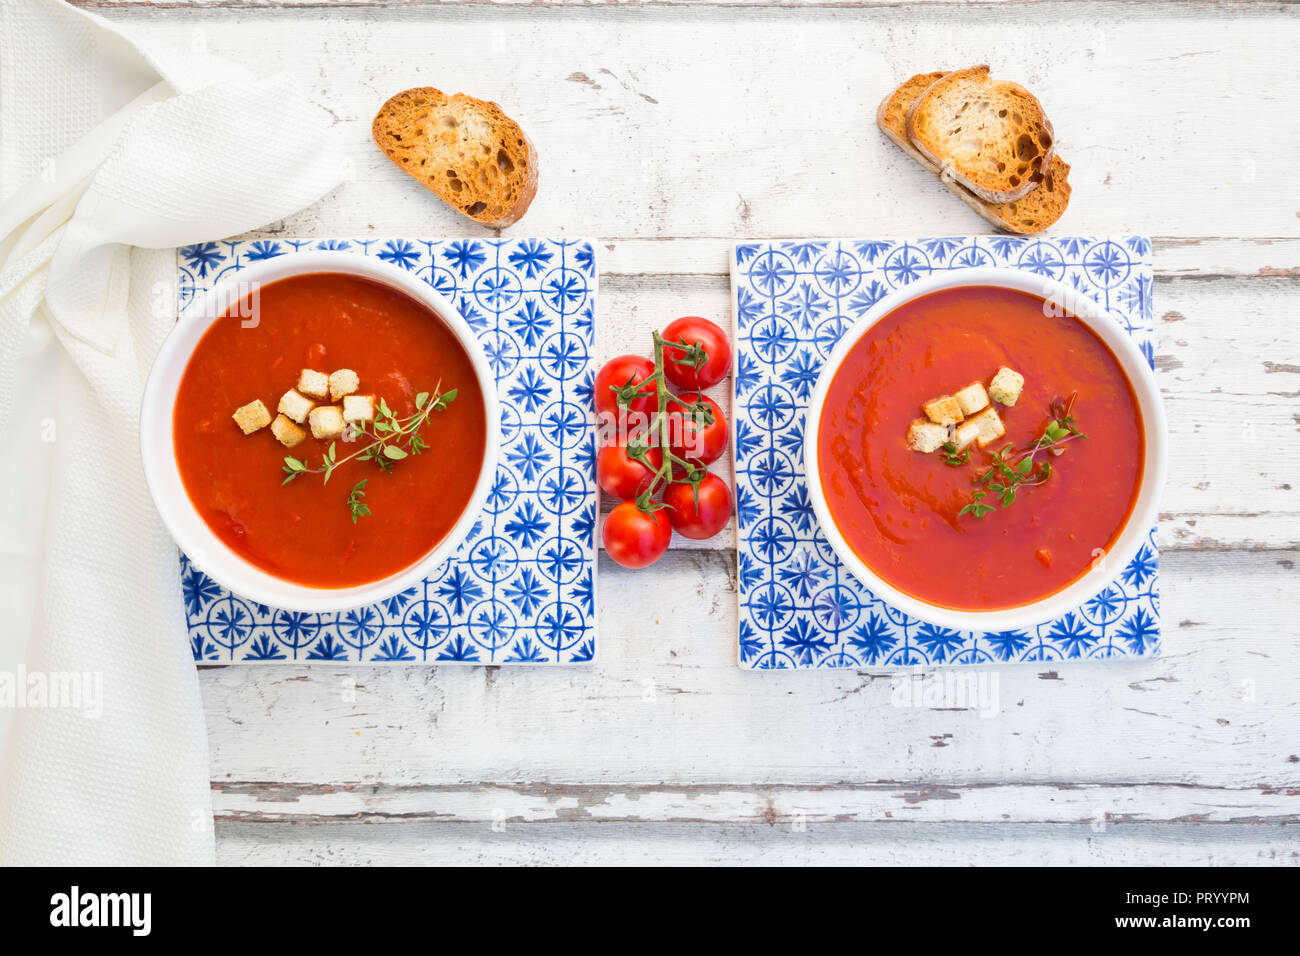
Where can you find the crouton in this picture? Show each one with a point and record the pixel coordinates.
(326, 421)
(972, 398)
(358, 408)
(984, 428)
(1006, 385)
(965, 433)
(926, 436)
(313, 384)
(943, 410)
(991, 427)
(343, 382)
(288, 433)
(252, 416)
(295, 407)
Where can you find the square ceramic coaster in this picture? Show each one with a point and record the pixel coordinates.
(799, 606)
(521, 589)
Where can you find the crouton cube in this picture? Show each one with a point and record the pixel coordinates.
(991, 427)
(985, 428)
(358, 408)
(972, 398)
(326, 421)
(294, 406)
(314, 384)
(926, 436)
(943, 410)
(1006, 385)
(252, 416)
(965, 433)
(288, 433)
(343, 382)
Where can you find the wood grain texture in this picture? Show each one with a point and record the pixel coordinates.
(774, 805)
(546, 4)
(665, 133)
(830, 844)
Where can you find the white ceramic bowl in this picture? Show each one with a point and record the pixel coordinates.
(1144, 512)
(207, 551)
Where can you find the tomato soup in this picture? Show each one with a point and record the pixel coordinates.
(899, 509)
(303, 531)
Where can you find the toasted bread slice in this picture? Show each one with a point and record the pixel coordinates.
(992, 136)
(891, 117)
(467, 151)
(1033, 212)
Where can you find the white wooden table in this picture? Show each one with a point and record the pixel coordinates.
(666, 130)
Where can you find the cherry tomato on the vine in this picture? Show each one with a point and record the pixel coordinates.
(616, 373)
(703, 518)
(621, 475)
(691, 438)
(698, 331)
(636, 538)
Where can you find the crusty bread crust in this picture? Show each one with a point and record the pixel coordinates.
(992, 136)
(1038, 209)
(466, 150)
(891, 117)
(1033, 212)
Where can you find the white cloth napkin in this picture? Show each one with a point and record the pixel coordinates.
(110, 156)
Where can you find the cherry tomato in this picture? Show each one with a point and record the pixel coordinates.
(693, 439)
(636, 538)
(694, 330)
(616, 373)
(702, 519)
(622, 476)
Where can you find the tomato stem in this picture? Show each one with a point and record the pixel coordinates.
(699, 411)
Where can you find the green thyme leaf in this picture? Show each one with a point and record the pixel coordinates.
(1010, 469)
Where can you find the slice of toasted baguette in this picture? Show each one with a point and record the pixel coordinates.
(992, 136)
(1031, 213)
(466, 150)
(1034, 212)
(891, 117)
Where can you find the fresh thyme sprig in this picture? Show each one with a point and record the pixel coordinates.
(356, 505)
(952, 456)
(1012, 470)
(391, 440)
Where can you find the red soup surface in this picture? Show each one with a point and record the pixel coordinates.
(303, 531)
(898, 509)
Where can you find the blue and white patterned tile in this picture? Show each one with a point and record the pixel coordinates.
(521, 589)
(799, 606)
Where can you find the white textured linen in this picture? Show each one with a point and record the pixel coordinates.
(110, 156)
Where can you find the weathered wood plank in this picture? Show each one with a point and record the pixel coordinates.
(547, 4)
(773, 805)
(828, 844)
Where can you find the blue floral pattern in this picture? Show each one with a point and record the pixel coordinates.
(799, 607)
(521, 590)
